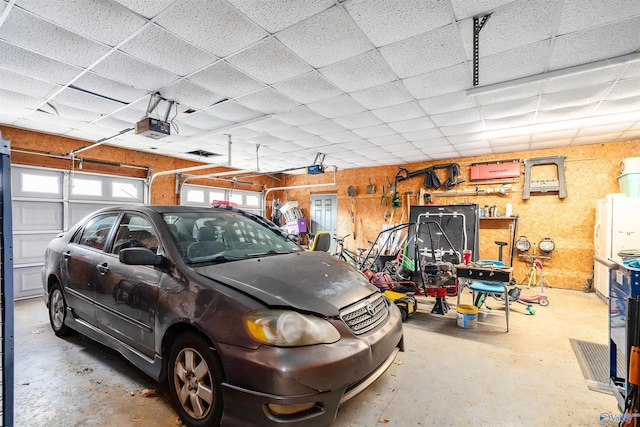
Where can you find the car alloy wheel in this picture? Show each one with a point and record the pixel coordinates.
(57, 311)
(195, 381)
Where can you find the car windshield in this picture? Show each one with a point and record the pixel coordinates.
(215, 236)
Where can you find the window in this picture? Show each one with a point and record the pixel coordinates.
(195, 196)
(124, 190)
(236, 198)
(210, 233)
(135, 231)
(216, 195)
(96, 231)
(252, 200)
(86, 187)
(33, 183)
(249, 232)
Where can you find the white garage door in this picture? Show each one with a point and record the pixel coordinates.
(199, 195)
(49, 201)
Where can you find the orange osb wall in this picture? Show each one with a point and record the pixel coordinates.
(590, 172)
(24, 142)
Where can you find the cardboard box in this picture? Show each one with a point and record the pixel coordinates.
(297, 225)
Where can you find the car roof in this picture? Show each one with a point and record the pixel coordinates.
(169, 209)
(162, 209)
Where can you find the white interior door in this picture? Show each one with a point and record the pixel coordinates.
(324, 215)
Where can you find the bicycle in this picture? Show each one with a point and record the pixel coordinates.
(357, 260)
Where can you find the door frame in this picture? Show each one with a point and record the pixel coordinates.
(334, 214)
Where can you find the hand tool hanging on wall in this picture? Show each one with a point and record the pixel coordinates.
(392, 187)
(502, 190)
(396, 202)
(352, 193)
(431, 180)
(424, 198)
(385, 201)
(371, 189)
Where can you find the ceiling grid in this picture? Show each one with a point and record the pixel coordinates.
(369, 83)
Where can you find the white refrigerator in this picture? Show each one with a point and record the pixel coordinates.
(617, 228)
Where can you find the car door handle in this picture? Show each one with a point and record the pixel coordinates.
(103, 268)
(67, 255)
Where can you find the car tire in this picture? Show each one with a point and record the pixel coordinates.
(197, 398)
(57, 311)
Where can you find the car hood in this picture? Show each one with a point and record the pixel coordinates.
(308, 281)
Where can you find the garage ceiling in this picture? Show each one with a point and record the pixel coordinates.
(365, 82)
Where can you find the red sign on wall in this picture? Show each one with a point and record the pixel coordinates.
(495, 171)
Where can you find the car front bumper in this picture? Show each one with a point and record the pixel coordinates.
(326, 375)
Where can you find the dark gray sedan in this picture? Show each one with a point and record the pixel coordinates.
(247, 327)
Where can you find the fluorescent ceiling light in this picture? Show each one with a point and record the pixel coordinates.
(556, 74)
(573, 124)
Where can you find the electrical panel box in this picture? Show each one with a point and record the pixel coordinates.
(153, 128)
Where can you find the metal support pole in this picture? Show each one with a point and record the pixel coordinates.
(6, 285)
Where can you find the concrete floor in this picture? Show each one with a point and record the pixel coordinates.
(447, 377)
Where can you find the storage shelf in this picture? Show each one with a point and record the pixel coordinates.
(500, 217)
(513, 231)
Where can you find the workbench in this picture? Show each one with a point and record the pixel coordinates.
(484, 273)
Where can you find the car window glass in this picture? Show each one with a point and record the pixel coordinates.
(248, 232)
(96, 231)
(135, 231)
(213, 234)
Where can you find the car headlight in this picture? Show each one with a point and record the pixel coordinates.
(284, 328)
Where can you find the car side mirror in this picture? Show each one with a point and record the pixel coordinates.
(140, 256)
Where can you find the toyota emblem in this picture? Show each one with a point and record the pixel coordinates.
(371, 309)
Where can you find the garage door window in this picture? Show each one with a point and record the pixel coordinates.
(252, 201)
(197, 195)
(86, 187)
(124, 190)
(33, 183)
(216, 195)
